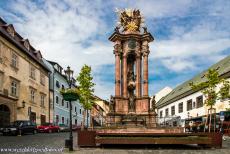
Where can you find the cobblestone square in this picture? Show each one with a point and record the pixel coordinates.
(56, 141)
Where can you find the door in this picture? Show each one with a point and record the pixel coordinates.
(33, 117)
(4, 115)
(43, 119)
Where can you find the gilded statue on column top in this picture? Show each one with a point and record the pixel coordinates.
(130, 20)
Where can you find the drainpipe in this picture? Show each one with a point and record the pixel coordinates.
(49, 96)
(54, 118)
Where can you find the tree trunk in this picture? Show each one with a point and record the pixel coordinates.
(210, 120)
(91, 121)
(83, 121)
(87, 125)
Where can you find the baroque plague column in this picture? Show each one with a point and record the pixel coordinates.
(131, 103)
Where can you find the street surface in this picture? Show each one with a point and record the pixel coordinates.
(54, 143)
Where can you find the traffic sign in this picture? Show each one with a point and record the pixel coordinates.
(222, 118)
(221, 113)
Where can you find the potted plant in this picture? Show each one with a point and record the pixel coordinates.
(70, 94)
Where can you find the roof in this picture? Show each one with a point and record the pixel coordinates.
(183, 90)
(18, 41)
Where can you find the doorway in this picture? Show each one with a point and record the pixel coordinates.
(4, 115)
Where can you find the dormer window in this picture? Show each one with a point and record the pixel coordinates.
(10, 30)
(38, 54)
(27, 44)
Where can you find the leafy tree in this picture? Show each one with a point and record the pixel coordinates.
(86, 90)
(208, 88)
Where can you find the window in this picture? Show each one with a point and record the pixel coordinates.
(199, 101)
(67, 104)
(62, 86)
(32, 72)
(57, 119)
(173, 110)
(63, 120)
(62, 102)
(194, 105)
(14, 88)
(166, 112)
(57, 99)
(189, 105)
(42, 79)
(67, 121)
(161, 114)
(32, 95)
(180, 107)
(57, 84)
(42, 100)
(10, 30)
(75, 109)
(75, 121)
(14, 60)
(80, 111)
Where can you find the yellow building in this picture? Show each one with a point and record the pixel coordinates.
(24, 84)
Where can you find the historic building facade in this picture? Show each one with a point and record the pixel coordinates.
(24, 83)
(60, 107)
(99, 111)
(182, 103)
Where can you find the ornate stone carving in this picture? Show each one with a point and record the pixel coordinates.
(130, 20)
(117, 49)
(145, 50)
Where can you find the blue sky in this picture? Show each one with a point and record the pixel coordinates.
(190, 35)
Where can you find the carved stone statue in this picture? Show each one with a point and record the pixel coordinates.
(145, 30)
(132, 103)
(111, 105)
(153, 102)
(131, 81)
(130, 19)
(116, 29)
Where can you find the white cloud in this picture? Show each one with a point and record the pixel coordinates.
(177, 53)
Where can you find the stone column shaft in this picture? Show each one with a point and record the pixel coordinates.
(138, 76)
(124, 76)
(117, 75)
(145, 75)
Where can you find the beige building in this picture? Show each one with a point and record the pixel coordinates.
(99, 111)
(24, 85)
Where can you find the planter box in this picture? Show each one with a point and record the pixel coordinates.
(70, 96)
(86, 138)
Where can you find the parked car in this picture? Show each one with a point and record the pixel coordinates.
(64, 128)
(20, 127)
(48, 128)
(77, 127)
(1, 129)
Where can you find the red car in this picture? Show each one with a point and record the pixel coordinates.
(48, 128)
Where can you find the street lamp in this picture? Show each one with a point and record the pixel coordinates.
(69, 75)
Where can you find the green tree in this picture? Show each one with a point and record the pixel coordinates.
(86, 90)
(209, 90)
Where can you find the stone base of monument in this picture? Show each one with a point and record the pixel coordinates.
(143, 136)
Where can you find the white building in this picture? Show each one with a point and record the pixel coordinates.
(182, 102)
(162, 93)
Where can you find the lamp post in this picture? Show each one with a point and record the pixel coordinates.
(69, 75)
